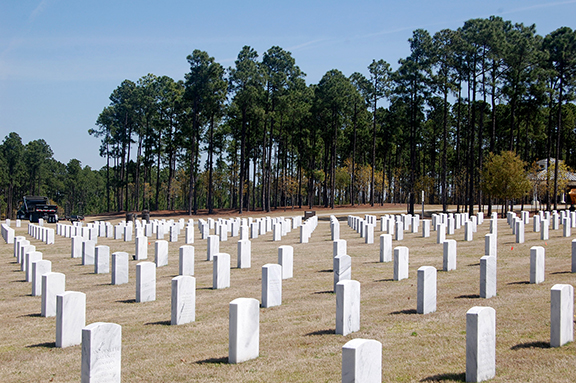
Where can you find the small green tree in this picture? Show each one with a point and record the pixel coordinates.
(505, 177)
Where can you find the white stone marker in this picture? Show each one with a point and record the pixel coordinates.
(561, 315)
(449, 256)
(426, 228)
(101, 353)
(102, 260)
(487, 276)
(145, 282)
(189, 234)
(491, 244)
(31, 257)
(399, 230)
(161, 253)
(441, 233)
(347, 307)
(362, 361)
(186, 260)
(244, 254)
(519, 231)
(342, 266)
(468, 231)
(537, 264)
(426, 292)
(213, 247)
(286, 260)
(183, 302)
(544, 230)
(88, 252)
(401, 260)
(536, 223)
(244, 330)
(480, 344)
(271, 285)
(76, 247)
(70, 318)
(141, 248)
(39, 268)
(52, 285)
(119, 268)
(369, 237)
(385, 248)
(339, 247)
(221, 271)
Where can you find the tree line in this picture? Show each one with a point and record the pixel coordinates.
(255, 136)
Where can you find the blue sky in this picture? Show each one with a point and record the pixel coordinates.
(61, 59)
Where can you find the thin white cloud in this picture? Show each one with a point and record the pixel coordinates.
(38, 10)
(538, 6)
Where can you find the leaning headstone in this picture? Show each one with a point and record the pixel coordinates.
(221, 271)
(401, 259)
(145, 282)
(347, 307)
(342, 267)
(119, 268)
(244, 330)
(487, 276)
(480, 344)
(39, 268)
(561, 315)
(286, 260)
(271, 285)
(385, 248)
(101, 353)
(537, 262)
(102, 260)
(186, 260)
(70, 318)
(52, 285)
(161, 253)
(183, 303)
(426, 291)
(449, 258)
(244, 254)
(362, 361)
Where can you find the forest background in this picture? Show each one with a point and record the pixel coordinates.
(255, 136)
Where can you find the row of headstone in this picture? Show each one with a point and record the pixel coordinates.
(307, 228)
(41, 233)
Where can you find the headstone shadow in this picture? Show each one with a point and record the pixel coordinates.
(407, 311)
(519, 283)
(43, 345)
(461, 377)
(224, 359)
(19, 280)
(322, 332)
(160, 323)
(326, 271)
(536, 344)
(474, 264)
(561, 272)
(468, 296)
(385, 280)
(33, 315)
(324, 292)
(126, 301)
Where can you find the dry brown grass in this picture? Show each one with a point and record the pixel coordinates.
(297, 341)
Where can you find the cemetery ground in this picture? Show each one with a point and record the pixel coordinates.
(297, 339)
